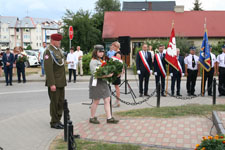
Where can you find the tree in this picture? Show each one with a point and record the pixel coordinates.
(85, 33)
(100, 8)
(197, 6)
(29, 47)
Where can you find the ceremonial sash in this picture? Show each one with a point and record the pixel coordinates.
(161, 68)
(144, 61)
(180, 68)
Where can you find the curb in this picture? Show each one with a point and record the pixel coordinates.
(218, 123)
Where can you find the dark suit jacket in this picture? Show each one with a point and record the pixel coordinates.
(181, 60)
(10, 60)
(139, 64)
(19, 64)
(156, 67)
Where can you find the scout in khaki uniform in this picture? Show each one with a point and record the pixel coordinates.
(55, 79)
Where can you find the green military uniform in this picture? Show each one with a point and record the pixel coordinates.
(55, 75)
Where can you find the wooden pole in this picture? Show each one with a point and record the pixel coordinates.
(167, 79)
(203, 78)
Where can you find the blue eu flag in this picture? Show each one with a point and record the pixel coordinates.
(204, 58)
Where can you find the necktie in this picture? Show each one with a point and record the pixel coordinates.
(193, 62)
(161, 56)
(146, 55)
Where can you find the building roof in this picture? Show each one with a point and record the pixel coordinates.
(149, 5)
(156, 24)
(29, 22)
(11, 20)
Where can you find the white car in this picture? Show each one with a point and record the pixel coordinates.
(32, 59)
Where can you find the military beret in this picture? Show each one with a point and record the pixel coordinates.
(223, 46)
(192, 48)
(56, 37)
(99, 48)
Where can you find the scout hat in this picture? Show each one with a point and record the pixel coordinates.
(99, 48)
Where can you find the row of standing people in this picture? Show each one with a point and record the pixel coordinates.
(190, 67)
(10, 60)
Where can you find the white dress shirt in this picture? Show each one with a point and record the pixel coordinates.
(188, 62)
(213, 59)
(78, 54)
(221, 60)
(72, 58)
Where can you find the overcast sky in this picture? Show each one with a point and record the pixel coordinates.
(55, 9)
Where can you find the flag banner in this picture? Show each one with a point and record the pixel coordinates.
(171, 53)
(204, 58)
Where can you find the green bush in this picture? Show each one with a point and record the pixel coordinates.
(217, 49)
(86, 61)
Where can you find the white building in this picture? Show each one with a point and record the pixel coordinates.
(28, 31)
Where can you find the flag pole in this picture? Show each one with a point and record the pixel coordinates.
(203, 70)
(167, 79)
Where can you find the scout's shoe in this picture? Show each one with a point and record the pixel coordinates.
(94, 120)
(112, 121)
(116, 105)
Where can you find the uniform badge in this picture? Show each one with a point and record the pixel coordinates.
(46, 56)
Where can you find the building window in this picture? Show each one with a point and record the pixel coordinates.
(37, 44)
(26, 30)
(6, 29)
(17, 30)
(40, 44)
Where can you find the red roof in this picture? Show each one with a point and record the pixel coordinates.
(151, 24)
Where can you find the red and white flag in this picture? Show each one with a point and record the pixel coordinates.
(171, 53)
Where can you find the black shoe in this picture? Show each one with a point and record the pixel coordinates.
(60, 123)
(146, 95)
(6, 84)
(112, 121)
(24, 81)
(140, 95)
(10, 84)
(172, 94)
(179, 94)
(69, 81)
(209, 94)
(19, 81)
(189, 94)
(94, 120)
(57, 126)
(163, 95)
(193, 94)
(74, 81)
(220, 95)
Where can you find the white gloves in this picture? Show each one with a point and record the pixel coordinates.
(155, 73)
(150, 72)
(138, 71)
(182, 74)
(171, 74)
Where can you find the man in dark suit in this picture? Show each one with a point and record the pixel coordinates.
(8, 59)
(144, 66)
(160, 68)
(176, 75)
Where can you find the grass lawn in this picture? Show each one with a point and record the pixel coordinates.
(175, 111)
(59, 144)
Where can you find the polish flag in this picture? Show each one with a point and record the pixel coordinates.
(171, 53)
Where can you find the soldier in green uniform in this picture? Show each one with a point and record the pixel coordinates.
(55, 79)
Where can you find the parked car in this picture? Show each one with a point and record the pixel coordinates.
(32, 59)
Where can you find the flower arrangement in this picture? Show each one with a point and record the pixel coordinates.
(21, 58)
(212, 143)
(109, 67)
